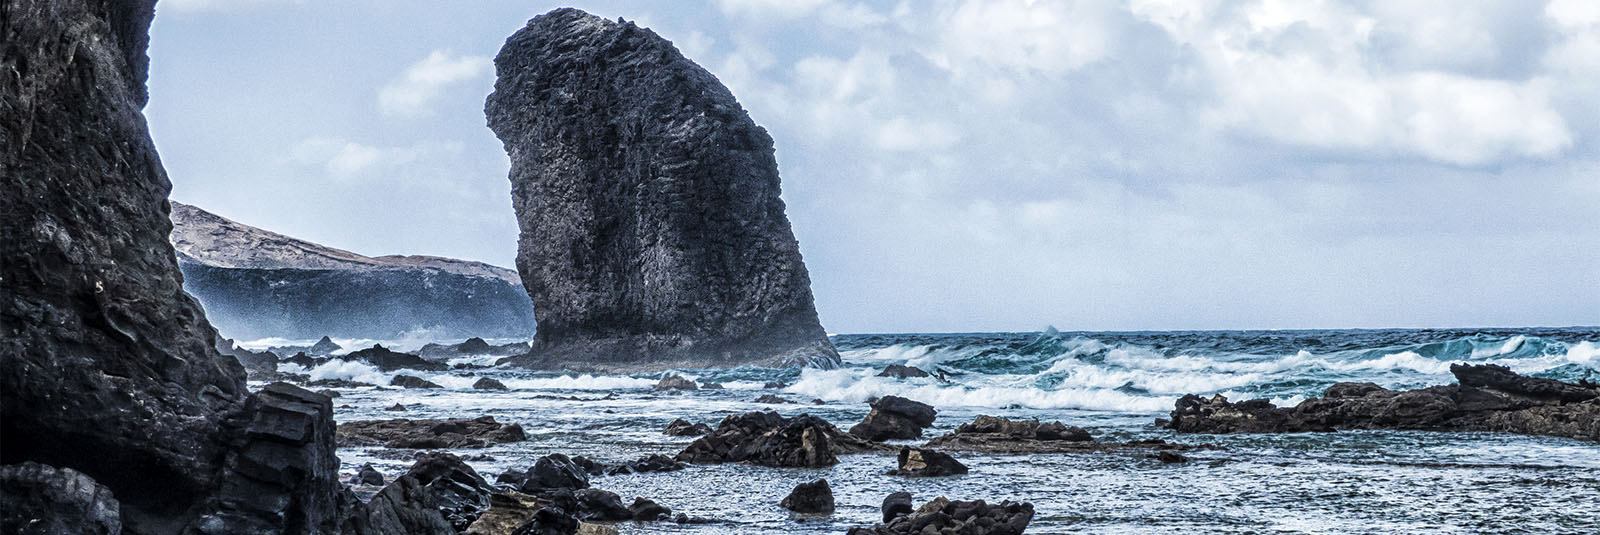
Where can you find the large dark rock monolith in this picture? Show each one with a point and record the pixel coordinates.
(653, 235)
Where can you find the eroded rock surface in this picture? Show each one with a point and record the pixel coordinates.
(1487, 398)
(814, 497)
(768, 439)
(923, 462)
(429, 434)
(895, 417)
(653, 235)
(40, 499)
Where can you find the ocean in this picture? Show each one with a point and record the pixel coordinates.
(1114, 384)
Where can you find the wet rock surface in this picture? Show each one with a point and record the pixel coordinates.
(895, 505)
(638, 180)
(470, 347)
(429, 434)
(439, 495)
(411, 381)
(768, 439)
(814, 497)
(922, 462)
(942, 516)
(902, 371)
(675, 382)
(895, 417)
(488, 383)
(1487, 398)
(989, 434)
(682, 428)
(40, 499)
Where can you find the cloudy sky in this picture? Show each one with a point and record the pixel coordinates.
(967, 166)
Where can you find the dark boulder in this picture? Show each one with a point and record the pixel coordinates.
(409, 381)
(767, 439)
(966, 518)
(473, 346)
(895, 417)
(439, 495)
(429, 434)
(920, 462)
(654, 462)
(325, 346)
(284, 462)
(811, 498)
(1502, 379)
(397, 407)
(636, 177)
(487, 383)
(648, 511)
(367, 475)
(303, 360)
(895, 505)
(1001, 435)
(602, 505)
(389, 361)
(682, 428)
(675, 382)
(773, 400)
(555, 471)
(46, 500)
(902, 371)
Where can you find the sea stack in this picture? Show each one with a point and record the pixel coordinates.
(653, 235)
(109, 381)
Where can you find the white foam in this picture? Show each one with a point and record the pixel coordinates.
(1510, 346)
(857, 385)
(349, 370)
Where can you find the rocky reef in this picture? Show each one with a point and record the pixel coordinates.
(942, 516)
(1486, 398)
(653, 235)
(255, 284)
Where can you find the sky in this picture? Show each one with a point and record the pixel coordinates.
(957, 166)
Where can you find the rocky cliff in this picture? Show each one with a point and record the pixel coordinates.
(254, 284)
(113, 403)
(653, 234)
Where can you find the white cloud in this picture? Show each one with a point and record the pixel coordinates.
(412, 95)
(347, 160)
(1047, 37)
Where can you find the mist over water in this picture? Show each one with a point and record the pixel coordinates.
(1113, 384)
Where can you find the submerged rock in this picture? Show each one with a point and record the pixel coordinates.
(429, 434)
(1487, 398)
(967, 518)
(767, 439)
(895, 417)
(922, 462)
(811, 498)
(773, 400)
(408, 381)
(653, 234)
(682, 428)
(487, 383)
(902, 371)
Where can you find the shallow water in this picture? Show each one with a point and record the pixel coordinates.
(1114, 385)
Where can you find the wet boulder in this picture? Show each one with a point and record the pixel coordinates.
(407, 381)
(488, 383)
(773, 400)
(367, 475)
(814, 497)
(682, 428)
(386, 360)
(922, 462)
(555, 471)
(42, 499)
(895, 417)
(964, 517)
(768, 439)
(429, 434)
(675, 382)
(648, 510)
(896, 505)
(992, 434)
(902, 371)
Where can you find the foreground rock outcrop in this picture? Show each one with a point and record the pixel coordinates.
(942, 516)
(108, 370)
(255, 284)
(1487, 398)
(768, 439)
(1003, 436)
(653, 235)
(895, 417)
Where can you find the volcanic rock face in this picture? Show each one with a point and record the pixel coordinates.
(256, 284)
(1488, 398)
(106, 367)
(653, 236)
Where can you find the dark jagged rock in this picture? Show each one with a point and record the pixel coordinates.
(324, 347)
(654, 462)
(507, 511)
(107, 367)
(487, 383)
(648, 510)
(682, 428)
(283, 462)
(774, 384)
(429, 434)
(902, 371)
(397, 407)
(303, 360)
(895, 417)
(458, 491)
(767, 439)
(367, 475)
(966, 518)
(1169, 457)
(555, 471)
(258, 365)
(773, 400)
(473, 346)
(675, 382)
(603, 505)
(1487, 398)
(810, 498)
(255, 283)
(921, 462)
(990, 434)
(653, 235)
(439, 495)
(895, 505)
(386, 360)
(40, 499)
(408, 381)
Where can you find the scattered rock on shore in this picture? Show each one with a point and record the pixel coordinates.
(810, 498)
(964, 517)
(409, 381)
(1001, 435)
(902, 371)
(768, 439)
(682, 428)
(439, 495)
(1487, 398)
(367, 475)
(675, 382)
(922, 462)
(488, 383)
(773, 400)
(895, 417)
(895, 505)
(429, 434)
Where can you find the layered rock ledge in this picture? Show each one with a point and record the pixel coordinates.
(1486, 398)
(653, 235)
